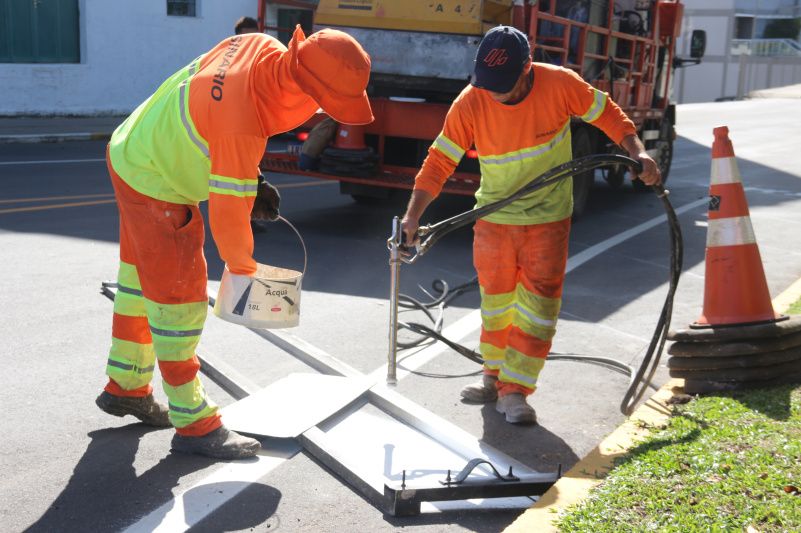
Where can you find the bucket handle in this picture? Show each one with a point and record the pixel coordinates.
(303, 244)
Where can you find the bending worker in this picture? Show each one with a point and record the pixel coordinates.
(518, 114)
(199, 137)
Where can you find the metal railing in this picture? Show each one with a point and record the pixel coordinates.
(765, 47)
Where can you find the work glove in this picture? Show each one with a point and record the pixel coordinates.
(265, 207)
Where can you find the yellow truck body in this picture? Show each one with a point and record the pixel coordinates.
(465, 17)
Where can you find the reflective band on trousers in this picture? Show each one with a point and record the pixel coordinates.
(127, 290)
(188, 411)
(729, 232)
(525, 312)
(724, 170)
(123, 366)
(176, 333)
(530, 380)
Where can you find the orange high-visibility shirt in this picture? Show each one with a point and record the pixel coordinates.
(516, 143)
(202, 134)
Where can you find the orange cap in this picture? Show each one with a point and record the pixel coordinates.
(333, 68)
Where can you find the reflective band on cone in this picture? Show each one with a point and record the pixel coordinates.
(735, 288)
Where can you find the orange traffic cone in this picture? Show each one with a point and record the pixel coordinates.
(735, 288)
(350, 137)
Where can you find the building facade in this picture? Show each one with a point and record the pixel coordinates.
(94, 57)
(751, 45)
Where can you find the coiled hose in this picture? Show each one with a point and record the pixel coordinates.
(639, 379)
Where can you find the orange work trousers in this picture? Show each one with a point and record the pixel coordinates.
(521, 270)
(161, 306)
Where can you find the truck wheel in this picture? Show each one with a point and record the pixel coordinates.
(582, 183)
(615, 176)
(664, 152)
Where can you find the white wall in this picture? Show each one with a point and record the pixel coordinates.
(128, 47)
(722, 75)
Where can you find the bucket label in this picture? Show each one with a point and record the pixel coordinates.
(239, 308)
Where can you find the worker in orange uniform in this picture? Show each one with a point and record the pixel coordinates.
(517, 114)
(199, 137)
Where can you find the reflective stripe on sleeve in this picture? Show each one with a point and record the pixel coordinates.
(233, 187)
(597, 107)
(452, 150)
(730, 232)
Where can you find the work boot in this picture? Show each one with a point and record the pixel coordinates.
(145, 408)
(516, 409)
(221, 443)
(482, 391)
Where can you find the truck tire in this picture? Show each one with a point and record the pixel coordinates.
(582, 183)
(664, 152)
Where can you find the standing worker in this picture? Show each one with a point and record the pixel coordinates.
(518, 114)
(199, 137)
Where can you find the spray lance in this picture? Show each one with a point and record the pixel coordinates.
(428, 235)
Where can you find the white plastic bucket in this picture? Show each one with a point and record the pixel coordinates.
(268, 300)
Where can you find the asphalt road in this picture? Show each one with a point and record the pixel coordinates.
(66, 466)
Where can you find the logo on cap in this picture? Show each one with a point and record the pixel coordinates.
(497, 56)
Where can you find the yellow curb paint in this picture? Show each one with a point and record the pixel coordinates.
(783, 301)
(576, 484)
(79, 204)
(54, 198)
(305, 184)
(57, 206)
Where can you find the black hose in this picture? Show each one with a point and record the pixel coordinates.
(638, 383)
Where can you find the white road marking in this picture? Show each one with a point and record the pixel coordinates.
(582, 257)
(204, 497)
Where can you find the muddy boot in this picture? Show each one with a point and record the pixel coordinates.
(516, 409)
(221, 443)
(145, 408)
(482, 391)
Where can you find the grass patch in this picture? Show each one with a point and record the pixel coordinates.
(722, 463)
(795, 309)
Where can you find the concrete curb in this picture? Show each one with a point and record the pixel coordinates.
(53, 137)
(576, 484)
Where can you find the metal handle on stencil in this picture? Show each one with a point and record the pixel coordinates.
(303, 244)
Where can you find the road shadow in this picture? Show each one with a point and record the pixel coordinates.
(254, 506)
(346, 241)
(534, 445)
(105, 493)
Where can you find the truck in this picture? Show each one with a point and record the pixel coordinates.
(422, 54)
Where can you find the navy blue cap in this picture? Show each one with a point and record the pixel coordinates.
(500, 58)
